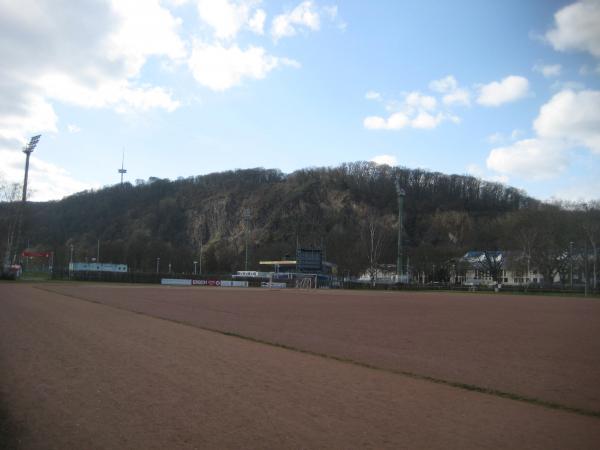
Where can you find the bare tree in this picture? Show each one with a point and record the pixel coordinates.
(10, 193)
(373, 238)
(491, 262)
(197, 228)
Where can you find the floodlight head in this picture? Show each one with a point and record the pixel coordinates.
(32, 144)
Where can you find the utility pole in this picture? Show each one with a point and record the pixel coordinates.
(98, 253)
(157, 264)
(401, 194)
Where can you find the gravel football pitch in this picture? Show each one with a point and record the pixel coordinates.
(128, 366)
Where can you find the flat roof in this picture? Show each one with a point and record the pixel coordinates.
(278, 263)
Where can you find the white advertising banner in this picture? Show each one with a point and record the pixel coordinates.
(175, 282)
(226, 283)
(266, 284)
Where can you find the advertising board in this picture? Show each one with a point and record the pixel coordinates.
(266, 284)
(175, 282)
(226, 283)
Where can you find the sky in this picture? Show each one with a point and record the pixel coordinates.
(508, 91)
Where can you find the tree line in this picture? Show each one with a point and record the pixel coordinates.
(350, 211)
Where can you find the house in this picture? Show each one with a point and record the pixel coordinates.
(477, 268)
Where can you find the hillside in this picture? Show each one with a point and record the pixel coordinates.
(339, 209)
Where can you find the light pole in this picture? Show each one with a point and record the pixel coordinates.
(246, 216)
(157, 264)
(28, 150)
(195, 264)
(401, 194)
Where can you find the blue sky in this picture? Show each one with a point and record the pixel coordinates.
(507, 91)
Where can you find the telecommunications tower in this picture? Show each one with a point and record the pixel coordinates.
(122, 170)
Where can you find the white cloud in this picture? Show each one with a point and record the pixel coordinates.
(444, 85)
(89, 54)
(427, 121)
(305, 15)
(415, 110)
(535, 159)
(573, 117)
(457, 97)
(476, 171)
(567, 121)
(515, 134)
(143, 30)
(72, 128)
(507, 90)
(257, 21)
(495, 138)
(227, 18)
(499, 138)
(372, 95)
(46, 181)
(396, 121)
(32, 114)
(453, 94)
(587, 190)
(577, 28)
(549, 70)
(416, 100)
(389, 160)
(220, 68)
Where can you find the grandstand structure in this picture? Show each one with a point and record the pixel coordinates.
(307, 270)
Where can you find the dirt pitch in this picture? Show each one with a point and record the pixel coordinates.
(80, 369)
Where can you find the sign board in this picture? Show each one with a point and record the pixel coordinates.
(309, 260)
(226, 283)
(175, 282)
(36, 254)
(266, 284)
(97, 267)
(206, 282)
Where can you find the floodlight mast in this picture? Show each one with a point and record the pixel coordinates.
(28, 150)
(401, 194)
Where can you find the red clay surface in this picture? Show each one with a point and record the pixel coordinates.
(76, 374)
(542, 347)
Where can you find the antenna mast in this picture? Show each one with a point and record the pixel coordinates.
(122, 170)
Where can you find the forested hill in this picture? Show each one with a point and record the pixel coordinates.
(338, 209)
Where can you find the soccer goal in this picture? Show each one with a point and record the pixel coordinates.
(306, 282)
